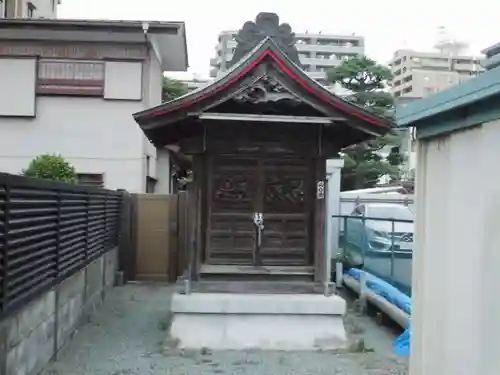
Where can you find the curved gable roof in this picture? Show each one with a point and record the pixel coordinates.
(273, 57)
(267, 48)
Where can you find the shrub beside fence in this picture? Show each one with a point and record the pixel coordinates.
(49, 231)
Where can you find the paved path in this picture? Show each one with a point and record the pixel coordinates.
(128, 337)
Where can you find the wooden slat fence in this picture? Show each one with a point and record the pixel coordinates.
(48, 231)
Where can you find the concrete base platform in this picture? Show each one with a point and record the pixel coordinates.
(258, 321)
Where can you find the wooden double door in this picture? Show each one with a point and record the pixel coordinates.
(281, 190)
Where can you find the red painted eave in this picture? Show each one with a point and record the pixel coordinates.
(339, 104)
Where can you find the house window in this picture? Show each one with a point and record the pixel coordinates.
(31, 10)
(91, 179)
(63, 77)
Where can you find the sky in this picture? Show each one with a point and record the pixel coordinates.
(387, 25)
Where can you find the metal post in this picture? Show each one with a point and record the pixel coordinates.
(339, 266)
(328, 244)
(344, 243)
(6, 242)
(87, 221)
(58, 272)
(363, 290)
(363, 242)
(392, 252)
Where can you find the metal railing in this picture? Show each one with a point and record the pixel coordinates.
(48, 231)
(382, 247)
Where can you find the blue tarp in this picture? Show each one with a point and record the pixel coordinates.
(401, 345)
(382, 288)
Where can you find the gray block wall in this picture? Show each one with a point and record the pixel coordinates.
(30, 338)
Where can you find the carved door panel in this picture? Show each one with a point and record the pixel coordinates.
(286, 212)
(277, 188)
(232, 201)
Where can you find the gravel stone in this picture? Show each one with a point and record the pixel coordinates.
(129, 336)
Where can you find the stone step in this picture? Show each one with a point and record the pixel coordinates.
(258, 321)
(256, 273)
(254, 287)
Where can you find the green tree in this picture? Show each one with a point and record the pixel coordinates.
(364, 164)
(51, 167)
(172, 89)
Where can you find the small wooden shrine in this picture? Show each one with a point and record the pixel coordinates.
(258, 139)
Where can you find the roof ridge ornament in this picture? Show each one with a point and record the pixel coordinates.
(266, 25)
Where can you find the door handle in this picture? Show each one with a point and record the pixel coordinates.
(258, 220)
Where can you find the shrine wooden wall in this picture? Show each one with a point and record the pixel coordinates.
(240, 169)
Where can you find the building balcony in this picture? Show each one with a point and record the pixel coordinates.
(330, 63)
(317, 75)
(469, 67)
(341, 50)
(429, 63)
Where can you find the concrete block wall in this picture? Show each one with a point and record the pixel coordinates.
(30, 338)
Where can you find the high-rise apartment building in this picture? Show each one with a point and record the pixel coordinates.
(29, 8)
(418, 74)
(318, 52)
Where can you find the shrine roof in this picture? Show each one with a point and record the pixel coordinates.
(273, 54)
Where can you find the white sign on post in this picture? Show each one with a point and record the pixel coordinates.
(320, 190)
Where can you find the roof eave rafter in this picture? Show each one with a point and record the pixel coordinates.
(267, 118)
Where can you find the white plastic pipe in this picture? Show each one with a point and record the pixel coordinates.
(395, 313)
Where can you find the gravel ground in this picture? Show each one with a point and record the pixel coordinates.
(128, 337)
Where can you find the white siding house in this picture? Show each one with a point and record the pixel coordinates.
(29, 8)
(71, 87)
(456, 278)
